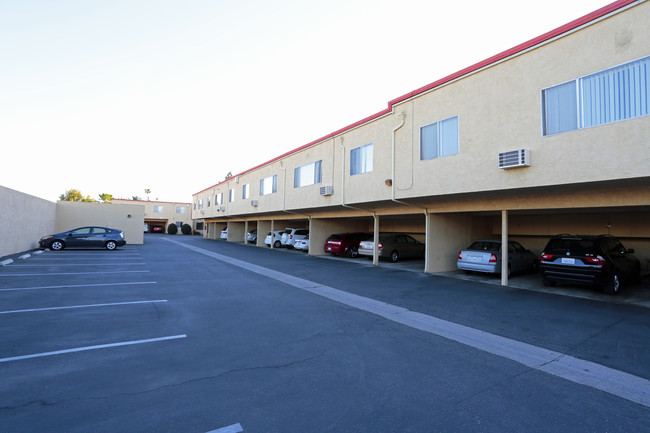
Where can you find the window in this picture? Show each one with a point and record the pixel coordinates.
(618, 93)
(218, 199)
(200, 203)
(269, 185)
(560, 108)
(309, 174)
(209, 201)
(158, 209)
(194, 205)
(361, 160)
(439, 139)
(180, 209)
(231, 195)
(245, 192)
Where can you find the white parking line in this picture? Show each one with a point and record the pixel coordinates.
(78, 285)
(69, 307)
(70, 273)
(615, 382)
(235, 428)
(99, 346)
(78, 264)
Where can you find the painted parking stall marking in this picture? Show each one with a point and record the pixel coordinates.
(66, 286)
(235, 428)
(70, 307)
(96, 347)
(615, 382)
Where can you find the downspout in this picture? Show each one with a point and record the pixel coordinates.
(375, 255)
(402, 117)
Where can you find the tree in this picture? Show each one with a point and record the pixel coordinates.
(75, 195)
(135, 197)
(229, 175)
(186, 229)
(172, 229)
(147, 191)
(106, 198)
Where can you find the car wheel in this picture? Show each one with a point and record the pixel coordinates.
(394, 256)
(612, 286)
(352, 252)
(277, 244)
(111, 245)
(57, 245)
(535, 267)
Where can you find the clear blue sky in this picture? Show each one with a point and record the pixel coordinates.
(118, 96)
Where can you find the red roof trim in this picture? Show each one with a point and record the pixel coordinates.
(154, 201)
(466, 71)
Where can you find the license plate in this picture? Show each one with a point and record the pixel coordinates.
(566, 261)
(475, 259)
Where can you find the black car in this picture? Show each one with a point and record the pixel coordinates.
(84, 237)
(586, 259)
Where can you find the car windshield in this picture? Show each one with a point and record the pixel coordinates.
(485, 246)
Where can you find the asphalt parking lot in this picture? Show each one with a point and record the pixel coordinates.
(184, 334)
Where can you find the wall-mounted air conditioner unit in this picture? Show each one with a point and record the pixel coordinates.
(254, 203)
(514, 159)
(327, 190)
(202, 211)
(222, 208)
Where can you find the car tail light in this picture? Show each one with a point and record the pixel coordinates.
(379, 246)
(493, 258)
(598, 261)
(547, 257)
(459, 255)
(290, 236)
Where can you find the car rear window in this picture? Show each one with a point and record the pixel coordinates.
(302, 232)
(485, 246)
(334, 238)
(573, 247)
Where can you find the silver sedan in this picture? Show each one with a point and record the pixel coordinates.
(485, 256)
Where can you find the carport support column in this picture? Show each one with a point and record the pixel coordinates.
(246, 232)
(504, 248)
(375, 253)
(272, 233)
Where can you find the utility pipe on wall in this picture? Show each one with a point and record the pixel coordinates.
(402, 117)
(375, 218)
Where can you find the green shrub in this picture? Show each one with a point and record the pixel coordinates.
(172, 229)
(186, 229)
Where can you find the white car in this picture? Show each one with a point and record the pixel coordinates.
(293, 236)
(277, 239)
(224, 233)
(302, 244)
(285, 236)
(251, 236)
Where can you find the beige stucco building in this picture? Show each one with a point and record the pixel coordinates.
(551, 136)
(161, 213)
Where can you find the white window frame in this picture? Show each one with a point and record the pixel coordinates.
(246, 191)
(269, 185)
(231, 195)
(439, 139)
(180, 209)
(218, 199)
(361, 159)
(308, 174)
(619, 93)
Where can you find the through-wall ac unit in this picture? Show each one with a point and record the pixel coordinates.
(514, 159)
(222, 208)
(327, 190)
(254, 203)
(202, 211)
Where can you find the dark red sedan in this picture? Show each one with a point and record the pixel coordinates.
(345, 244)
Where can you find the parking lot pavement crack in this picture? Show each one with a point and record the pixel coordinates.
(39, 403)
(217, 376)
(595, 334)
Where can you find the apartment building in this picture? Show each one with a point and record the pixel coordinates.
(162, 213)
(551, 136)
